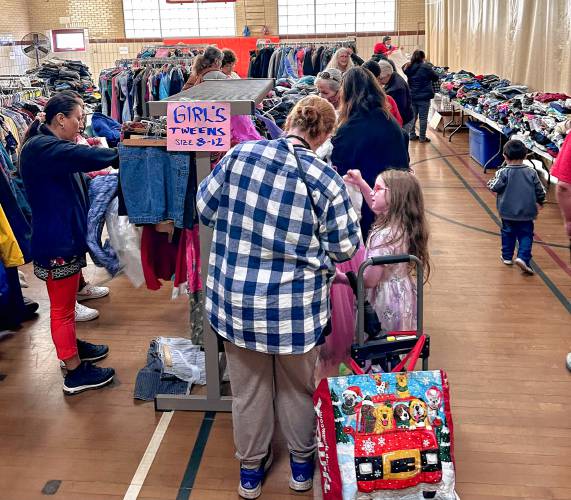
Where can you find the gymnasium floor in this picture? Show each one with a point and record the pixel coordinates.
(501, 336)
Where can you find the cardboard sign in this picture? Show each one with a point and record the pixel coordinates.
(435, 120)
(198, 126)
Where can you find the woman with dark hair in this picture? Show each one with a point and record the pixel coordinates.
(229, 61)
(51, 163)
(367, 137)
(420, 77)
(206, 66)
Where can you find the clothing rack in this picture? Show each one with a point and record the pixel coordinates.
(9, 96)
(155, 61)
(300, 43)
(243, 96)
(178, 46)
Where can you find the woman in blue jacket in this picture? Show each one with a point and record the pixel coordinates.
(420, 77)
(51, 164)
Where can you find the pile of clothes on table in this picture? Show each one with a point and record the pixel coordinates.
(62, 74)
(534, 117)
(286, 93)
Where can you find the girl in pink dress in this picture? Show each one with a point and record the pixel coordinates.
(400, 228)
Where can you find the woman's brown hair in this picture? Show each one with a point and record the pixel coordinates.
(405, 215)
(313, 115)
(360, 93)
(207, 60)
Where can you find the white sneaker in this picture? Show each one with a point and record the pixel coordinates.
(92, 292)
(22, 278)
(526, 268)
(83, 313)
(507, 262)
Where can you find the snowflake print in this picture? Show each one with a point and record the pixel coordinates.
(426, 380)
(381, 441)
(377, 473)
(368, 446)
(426, 443)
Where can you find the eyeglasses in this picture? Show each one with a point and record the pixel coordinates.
(377, 188)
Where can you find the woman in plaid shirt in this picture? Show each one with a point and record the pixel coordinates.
(281, 218)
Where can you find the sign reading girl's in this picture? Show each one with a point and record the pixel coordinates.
(198, 126)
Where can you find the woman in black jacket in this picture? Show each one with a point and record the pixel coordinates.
(420, 77)
(367, 138)
(50, 162)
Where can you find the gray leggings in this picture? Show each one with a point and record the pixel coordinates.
(420, 109)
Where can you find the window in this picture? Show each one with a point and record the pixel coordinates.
(300, 17)
(159, 19)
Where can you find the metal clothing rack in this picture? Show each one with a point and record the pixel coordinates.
(243, 96)
(181, 46)
(154, 61)
(9, 96)
(301, 43)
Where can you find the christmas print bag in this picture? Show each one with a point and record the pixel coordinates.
(386, 436)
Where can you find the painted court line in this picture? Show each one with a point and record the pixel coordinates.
(149, 456)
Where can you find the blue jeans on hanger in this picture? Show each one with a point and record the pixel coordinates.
(158, 185)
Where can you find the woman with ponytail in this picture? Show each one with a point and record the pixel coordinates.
(206, 66)
(281, 218)
(50, 164)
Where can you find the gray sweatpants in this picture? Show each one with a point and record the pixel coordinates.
(265, 386)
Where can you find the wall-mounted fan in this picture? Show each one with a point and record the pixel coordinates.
(36, 46)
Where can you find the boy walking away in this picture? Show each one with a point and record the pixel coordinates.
(520, 196)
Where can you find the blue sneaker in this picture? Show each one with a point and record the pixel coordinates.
(91, 352)
(251, 479)
(301, 478)
(87, 376)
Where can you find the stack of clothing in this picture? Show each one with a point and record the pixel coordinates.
(287, 93)
(61, 74)
(533, 118)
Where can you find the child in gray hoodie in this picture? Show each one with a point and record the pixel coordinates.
(520, 196)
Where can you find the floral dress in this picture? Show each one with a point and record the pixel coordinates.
(394, 298)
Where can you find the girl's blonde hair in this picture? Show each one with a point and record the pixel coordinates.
(313, 115)
(405, 215)
(334, 63)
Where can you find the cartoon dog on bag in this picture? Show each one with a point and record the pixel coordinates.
(434, 402)
(352, 398)
(418, 415)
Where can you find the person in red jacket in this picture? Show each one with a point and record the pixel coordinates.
(562, 170)
(385, 48)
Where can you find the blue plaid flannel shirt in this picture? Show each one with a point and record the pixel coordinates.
(269, 274)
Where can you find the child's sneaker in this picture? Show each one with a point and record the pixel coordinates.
(301, 478)
(251, 479)
(523, 266)
(87, 376)
(507, 262)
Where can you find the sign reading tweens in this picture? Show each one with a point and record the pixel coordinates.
(198, 126)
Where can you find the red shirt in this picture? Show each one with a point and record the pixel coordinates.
(562, 167)
(394, 109)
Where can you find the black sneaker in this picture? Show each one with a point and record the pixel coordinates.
(30, 308)
(413, 137)
(424, 139)
(91, 352)
(85, 377)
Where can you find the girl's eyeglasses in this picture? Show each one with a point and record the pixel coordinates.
(378, 188)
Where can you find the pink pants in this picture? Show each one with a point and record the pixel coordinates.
(62, 295)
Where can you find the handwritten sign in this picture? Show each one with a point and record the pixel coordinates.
(198, 126)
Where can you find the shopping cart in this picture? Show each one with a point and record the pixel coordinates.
(388, 349)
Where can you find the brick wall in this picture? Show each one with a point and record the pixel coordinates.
(410, 15)
(14, 19)
(103, 18)
(256, 14)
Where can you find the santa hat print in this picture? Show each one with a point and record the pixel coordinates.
(355, 390)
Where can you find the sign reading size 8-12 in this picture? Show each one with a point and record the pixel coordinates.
(198, 126)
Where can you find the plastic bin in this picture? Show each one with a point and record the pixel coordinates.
(485, 145)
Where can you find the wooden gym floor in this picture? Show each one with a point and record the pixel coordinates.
(501, 336)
